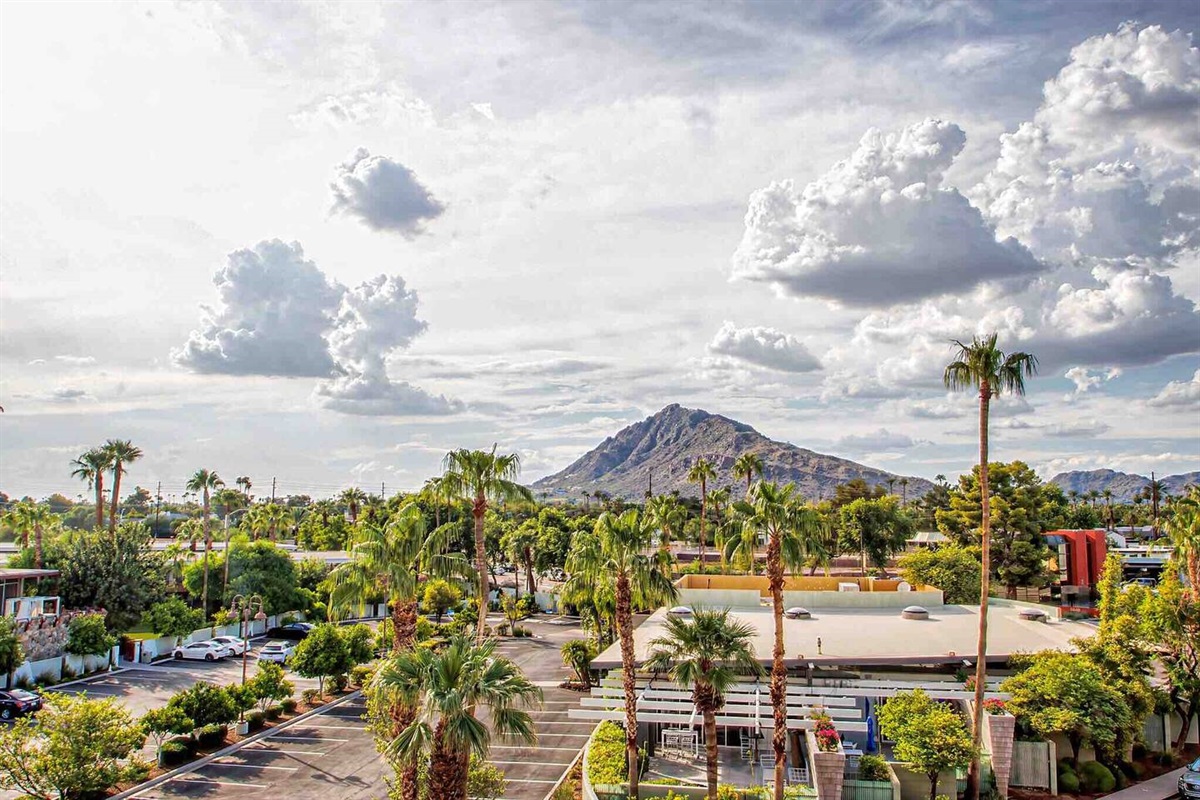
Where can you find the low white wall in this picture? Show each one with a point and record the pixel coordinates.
(928, 598)
(720, 598)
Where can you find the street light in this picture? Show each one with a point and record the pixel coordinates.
(243, 607)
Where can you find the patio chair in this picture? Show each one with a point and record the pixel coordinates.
(797, 775)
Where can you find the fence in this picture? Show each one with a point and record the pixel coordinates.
(866, 790)
(1032, 765)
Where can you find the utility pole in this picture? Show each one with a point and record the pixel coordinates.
(272, 490)
(382, 490)
(650, 486)
(157, 506)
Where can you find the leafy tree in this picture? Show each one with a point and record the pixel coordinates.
(159, 723)
(553, 542)
(1081, 517)
(310, 573)
(520, 543)
(120, 574)
(264, 569)
(90, 468)
(481, 478)
(12, 654)
(320, 530)
(856, 489)
(320, 654)
(173, 618)
(360, 643)
(206, 704)
(954, 570)
(928, 734)
(205, 481)
(27, 518)
(440, 596)
(578, 654)
(138, 500)
(1064, 693)
(706, 654)
(268, 685)
(87, 636)
(668, 516)
(877, 528)
(120, 452)
(75, 748)
(1171, 619)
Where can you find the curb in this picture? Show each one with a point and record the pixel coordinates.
(192, 766)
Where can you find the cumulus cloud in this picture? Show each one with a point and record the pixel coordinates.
(383, 194)
(878, 228)
(76, 361)
(68, 395)
(764, 347)
(1177, 394)
(274, 309)
(1085, 380)
(374, 394)
(1079, 429)
(881, 439)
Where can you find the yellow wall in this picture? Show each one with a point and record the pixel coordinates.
(791, 583)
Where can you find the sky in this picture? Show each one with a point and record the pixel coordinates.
(326, 243)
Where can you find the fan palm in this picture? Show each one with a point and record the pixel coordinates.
(90, 468)
(482, 477)
(190, 531)
(205, 481)
(668, 516)
(702, 472)
(777, 513)
(1183, 527)
(26, 518)
(747, 466)
(353, 498)
(445, 688)
(983, 367)
(618, 554)
(120, 452)
(719, 500)
(706, 654)
(589, 589)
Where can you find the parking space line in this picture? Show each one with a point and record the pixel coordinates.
(531, 747)
(336, 727)
(305, 739)
(220, 783)
(219, 763)
(283, 752)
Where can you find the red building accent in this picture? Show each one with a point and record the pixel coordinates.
(1080, 556)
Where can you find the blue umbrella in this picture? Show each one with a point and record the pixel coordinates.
(870, 729)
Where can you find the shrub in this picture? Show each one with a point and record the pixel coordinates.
(1068, 782)
(528, 605)
(1096, 778)
(502, 629)
(339, 682)
(310, 696)
(274, 712)
(993, 705)
(210, 736)
(361, 675)
(873, 768)
(606, 755)
(175, 751)
(206, 704)
(256, 719)
(288, 704)
(425, 630)
(87, 636)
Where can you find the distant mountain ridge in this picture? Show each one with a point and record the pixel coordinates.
(1124, 485)
(662, 447)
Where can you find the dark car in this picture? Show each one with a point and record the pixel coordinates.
(1189, 781)
(16, 702)
(293, 630)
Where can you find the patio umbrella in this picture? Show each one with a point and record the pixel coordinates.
(870, 729)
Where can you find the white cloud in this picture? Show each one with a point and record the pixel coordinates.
(77, 361)
(880, 440)
(1077, 429)
(1085, 380)
(383, 194)
(764, 347)
(877, 228)
(1179, 393)
(68, 395)
(375, 395)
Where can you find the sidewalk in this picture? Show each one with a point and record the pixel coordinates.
(1159, 788)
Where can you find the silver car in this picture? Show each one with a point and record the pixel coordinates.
(279, 652)
(1189, 782)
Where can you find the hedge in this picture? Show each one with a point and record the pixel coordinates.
(176, 751)
(606, 755)
(1096, 778)
(288, 704)
(211, 735)
(255, 718)
(274, 712)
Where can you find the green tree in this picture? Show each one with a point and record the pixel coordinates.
(264, 569)
(440, 596)
(983, 367)
(1171, 619)
(668, 515)
(955, 570)
(268, 685)
(578, 654)
(360, 643)
(352, 499)
(878, 529)
(90, 468)
(748, 466)
(121, 574)
(929, 736)
(205, 481)
(87, 636)
(856, 489)
(75, 748)
(520, 543)
(27, 518)
(206, 704)
(120, 452)
(320, 654)
(706, 654)
(160, 723)
(482, 478)
(12, 654)
(172, 617)
(702, 472)
(449, 686)
(617, 554)
(1064, 693)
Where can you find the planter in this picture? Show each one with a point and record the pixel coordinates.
(828, 769)
(1000, 731)
(243, 728)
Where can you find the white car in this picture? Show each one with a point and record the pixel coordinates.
(202, 651)
(236, 646)
(279, 652)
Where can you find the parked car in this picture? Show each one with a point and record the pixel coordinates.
(236, 646)
(17, 702)
(1189, 781)
(555, 574)
(279, 652)
(293, 630)
(202, 651)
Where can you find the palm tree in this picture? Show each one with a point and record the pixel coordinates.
(121, 452)
(481, 478)
(668, 516)
(904, 491)
(779, 514)
(27, 517)
(1183, 527)
(90, 468)
(352, 498)
(982, 366)
(891, 482)
(1074, 497)
(444, 688)
(589, 589)
(702, 472)
(1108, 498)
(205, 481)
(706, 654)
(618, 554)
(243, 483)
(1153, 492)
(190, 531)
(747, 466)
(719, 499)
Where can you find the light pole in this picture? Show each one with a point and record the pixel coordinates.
(243, 607)
(225, 580)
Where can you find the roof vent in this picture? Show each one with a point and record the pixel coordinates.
(915, 612)
(680, 611)
(1033, 615)
(796, 612)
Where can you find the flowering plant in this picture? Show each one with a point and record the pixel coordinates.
(826, 735)
(993, 706)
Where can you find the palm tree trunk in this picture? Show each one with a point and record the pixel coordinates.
(703, 510)
(530, 583)
(478, 509)
(99, 499)
(207, 548)
(628, 676)
(710, 752)
(443, 767)
(116, 496)
(985, 527)
(37, 545)
(778, 671)
(404, 637)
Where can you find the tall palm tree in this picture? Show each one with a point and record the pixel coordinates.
(702, 472)
(668, 516)
(983, 367)
(121, 452)
(1108, 498)
(445, 687)
(205, 481)
(719, 500)
(1153, 492)
(242, 482)
(590, 589)
(1184, 529)
(748, 465)
(778, 513)
(480, 478)
(353, 498)
(28, 517)
(904, 491)
(706, 654)
(190, 532)
(619, 555)
(90, 468)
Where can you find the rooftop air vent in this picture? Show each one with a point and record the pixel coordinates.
(680, 611)
(796, 612)
(1033, 614)
(915, 612)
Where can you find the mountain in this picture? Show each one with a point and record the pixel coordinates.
(1124, 485)
(665, 445)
